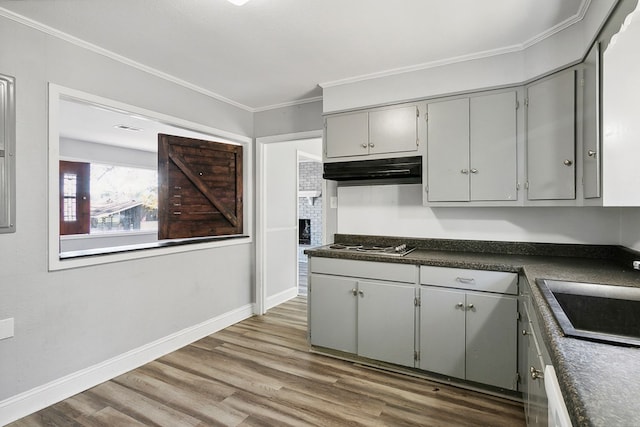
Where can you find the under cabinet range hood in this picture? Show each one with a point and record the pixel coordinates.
(399, 170)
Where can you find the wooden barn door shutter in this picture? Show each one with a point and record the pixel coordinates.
(200, 188)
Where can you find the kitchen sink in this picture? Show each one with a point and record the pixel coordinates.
(603, 313)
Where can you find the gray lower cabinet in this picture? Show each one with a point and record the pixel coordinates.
(536, 408)
(468, 325)
(332, 312)
(534, 358)
(386, 322)
(464, 327)
(479, 340)
(360, 315)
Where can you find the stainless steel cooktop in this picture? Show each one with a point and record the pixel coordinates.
(399, 250)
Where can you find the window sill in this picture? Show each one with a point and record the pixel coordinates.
(146, 246)
(108, 235)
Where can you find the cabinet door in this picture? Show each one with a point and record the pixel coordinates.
(551, 138)
(491, 340)
(386, 322)
(393, 130)
(347, 135)
(536, 405)
(493, 139)
(442, 331)
(448, 151)
(332, 317)
(591, 125)
(524, 332)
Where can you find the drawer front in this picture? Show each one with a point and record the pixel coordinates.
(477, 280)
(366, 269)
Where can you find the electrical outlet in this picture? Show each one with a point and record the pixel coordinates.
(333, 202)
(6, 328)
(636, 265)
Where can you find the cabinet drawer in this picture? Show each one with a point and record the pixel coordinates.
(478, 280)
(365, 269)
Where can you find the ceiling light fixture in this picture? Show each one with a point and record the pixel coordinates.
(129, 128)
(238, 2)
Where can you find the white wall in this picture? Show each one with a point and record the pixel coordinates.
(289, 120)
(396, 210)
(630, 228)
(69, 320)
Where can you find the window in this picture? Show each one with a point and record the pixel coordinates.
(118, 140)
(123, 199)
(96, 198)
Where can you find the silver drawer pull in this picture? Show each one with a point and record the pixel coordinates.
(465, 280)
(535, 373)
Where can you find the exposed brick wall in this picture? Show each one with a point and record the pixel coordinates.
(310, 178)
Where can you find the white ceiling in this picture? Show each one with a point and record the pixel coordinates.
(271, 53)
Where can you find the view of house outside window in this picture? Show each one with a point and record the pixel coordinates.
(123, 199)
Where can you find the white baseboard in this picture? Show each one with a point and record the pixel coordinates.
(281, 297)
(33, 400)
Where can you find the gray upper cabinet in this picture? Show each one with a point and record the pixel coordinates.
(493, 142)
(551, 138)
(347, 135)
(472, 149)
(448, 150)
(393, 130)
(381, 131)
(591, 136)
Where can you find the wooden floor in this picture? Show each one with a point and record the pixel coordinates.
(303, 273)
(259, 373)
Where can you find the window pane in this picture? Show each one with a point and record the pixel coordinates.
(123, 199)
(70, 188)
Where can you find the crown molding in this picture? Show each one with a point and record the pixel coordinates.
(117, 57)
(579, 16)
(288, 104)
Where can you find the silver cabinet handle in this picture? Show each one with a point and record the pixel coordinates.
(524, 332)
(465, 279)
(459, 305)
(567, 162)
(361, 293)
(591, 153)
(464, 171)
(354, 292)
(474, 170)
(364, 145)
(470, 307)
(372, 145)
(535, 373)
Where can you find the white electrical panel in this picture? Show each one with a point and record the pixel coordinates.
(7, 154)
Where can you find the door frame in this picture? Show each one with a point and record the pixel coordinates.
(261, 218)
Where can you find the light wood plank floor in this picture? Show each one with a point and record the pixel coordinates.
(259, 373)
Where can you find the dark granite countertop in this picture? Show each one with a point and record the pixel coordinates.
(598, 381)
